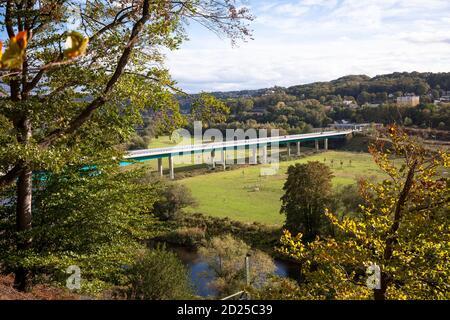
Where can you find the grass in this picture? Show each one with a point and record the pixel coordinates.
(244, 195)
(162, 142)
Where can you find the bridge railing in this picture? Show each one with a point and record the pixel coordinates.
(233, 143)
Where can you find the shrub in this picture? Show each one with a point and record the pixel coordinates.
(188, 236)
(226, 258)
(137, 142)
(173, 198)
(158, 275)
(277, 288)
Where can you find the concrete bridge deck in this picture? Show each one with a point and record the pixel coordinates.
(148, 154)
(170, 152)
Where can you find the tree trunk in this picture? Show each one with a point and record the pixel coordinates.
(22, 279)
(380, 294)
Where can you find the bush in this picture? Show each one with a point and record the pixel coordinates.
(255, 234)
(226, 258)
(173, 198)
(277, 288)
(159, 275)
(187, 236)
(137, 143)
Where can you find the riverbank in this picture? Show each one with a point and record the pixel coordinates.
(187, 234)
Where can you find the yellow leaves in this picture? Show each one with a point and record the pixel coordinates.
(13, 56)
(445, 156)
(392, 130)
(292, 246)
(76, 45)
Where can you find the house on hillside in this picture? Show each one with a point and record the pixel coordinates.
(445, 97)
(409, 100)
(351, 104)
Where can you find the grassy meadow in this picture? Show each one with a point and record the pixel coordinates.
(244, 195)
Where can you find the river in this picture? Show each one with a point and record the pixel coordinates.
(201, 275)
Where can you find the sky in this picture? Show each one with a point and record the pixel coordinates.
(303, 41)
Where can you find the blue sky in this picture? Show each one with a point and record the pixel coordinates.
(302, 41)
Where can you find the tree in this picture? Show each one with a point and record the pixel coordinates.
(61, 106)
(403, 229)
(96, 221)
(158, 275)
(207, 109)
(225, 256)
(363, 97)
(307, 192)
(174, 198)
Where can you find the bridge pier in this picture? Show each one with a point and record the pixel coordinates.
(213, 160)
(171, 169)
(316, 144)
(298, 148)
(224, 160)
(160, 167)
(254, 159)
(264, 154)
(325, 144)
(289, 149)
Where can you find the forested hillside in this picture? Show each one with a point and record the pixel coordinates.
(354, 98)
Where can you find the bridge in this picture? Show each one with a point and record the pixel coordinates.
(254, 144)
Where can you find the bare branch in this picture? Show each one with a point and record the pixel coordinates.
(10, 176)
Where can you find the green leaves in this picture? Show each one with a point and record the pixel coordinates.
(95, 219)
(209, 110)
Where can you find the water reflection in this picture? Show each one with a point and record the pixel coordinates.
(201, 275)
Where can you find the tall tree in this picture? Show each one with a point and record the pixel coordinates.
(307, 192)
(58, 108)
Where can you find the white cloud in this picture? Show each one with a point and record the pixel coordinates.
(311, 40)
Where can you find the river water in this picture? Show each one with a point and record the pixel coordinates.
(201, 275)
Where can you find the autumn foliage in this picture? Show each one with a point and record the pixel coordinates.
(404, 228)
(14, 54)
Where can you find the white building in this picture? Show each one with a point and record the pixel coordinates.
(409, 101)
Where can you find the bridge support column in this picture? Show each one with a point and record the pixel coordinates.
(298, 148)
(160, 167)
(224, 159)
(213, 160)
(325, 144)
(264, 154)
(289, 149)
(171, 170)
(317, 144)
(254, 159)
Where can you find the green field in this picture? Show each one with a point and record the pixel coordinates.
(244, 195)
